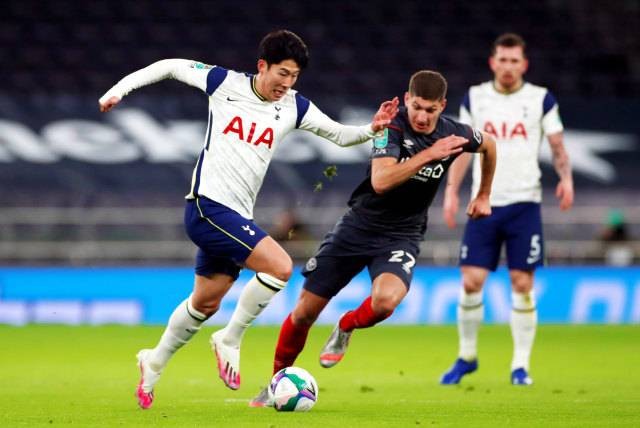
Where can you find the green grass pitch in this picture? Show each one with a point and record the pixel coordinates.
(85, 376)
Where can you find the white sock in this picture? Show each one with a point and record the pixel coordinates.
(183, 324)
(470, 315)
(255, 296)
(524, 319)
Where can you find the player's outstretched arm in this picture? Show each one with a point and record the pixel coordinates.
(564, 189)
(108, 104)
(455, 177)
(179, 69)
(346, 135)
(480, 205)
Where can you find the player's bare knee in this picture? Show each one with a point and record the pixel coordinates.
(471, 285)
(208, 307)
(282, 269)
(522, 287)
(521, 282)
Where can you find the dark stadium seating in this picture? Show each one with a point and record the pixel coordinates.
(73, 46)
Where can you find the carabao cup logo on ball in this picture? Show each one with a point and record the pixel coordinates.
(293, 389)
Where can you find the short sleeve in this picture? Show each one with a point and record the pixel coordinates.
(465, 110)
(473, 135)
(551, 122)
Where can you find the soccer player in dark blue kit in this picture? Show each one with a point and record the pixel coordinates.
(386, 221)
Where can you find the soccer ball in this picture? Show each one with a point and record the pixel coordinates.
(293, 390)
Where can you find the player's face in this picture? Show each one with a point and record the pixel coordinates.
(508, 65)
(423, 114)
(274, 80)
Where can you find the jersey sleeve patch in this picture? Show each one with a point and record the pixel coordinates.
(302, 106)
(473, 135)
(388, 144)
(200, 65)
(215, 78)
(381, 141)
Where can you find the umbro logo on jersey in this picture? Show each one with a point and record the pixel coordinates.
(408, 144)
(231, 99)
(248, 229)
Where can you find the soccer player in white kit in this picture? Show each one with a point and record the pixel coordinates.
(248, 117)
(518, 115)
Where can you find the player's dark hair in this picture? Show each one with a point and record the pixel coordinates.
(509, 40)
(280, 45)
(429, 85)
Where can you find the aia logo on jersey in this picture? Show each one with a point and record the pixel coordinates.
(236, 126)
(505, 131)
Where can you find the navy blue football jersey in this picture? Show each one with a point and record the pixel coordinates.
(402, 211)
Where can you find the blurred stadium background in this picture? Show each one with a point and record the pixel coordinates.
(81, 189)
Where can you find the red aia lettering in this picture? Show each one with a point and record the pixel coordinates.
(518, 130)
(236, 127)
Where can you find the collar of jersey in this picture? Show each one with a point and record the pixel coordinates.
(255, 90)
(493, 85)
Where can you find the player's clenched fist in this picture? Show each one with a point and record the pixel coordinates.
(107, 105)
(479, 207)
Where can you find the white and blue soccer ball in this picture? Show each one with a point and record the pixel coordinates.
(293, 389)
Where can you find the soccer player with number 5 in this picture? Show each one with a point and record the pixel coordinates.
(518, 115)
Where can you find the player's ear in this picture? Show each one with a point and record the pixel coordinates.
(262, 65)
(406, 98)
(444, 103)
(526, 65)
(492, 63)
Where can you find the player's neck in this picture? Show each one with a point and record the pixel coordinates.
(508, 90)
(255, 86)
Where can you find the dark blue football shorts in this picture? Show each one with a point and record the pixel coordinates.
(518, 226)
(224, 238)
(346, 251)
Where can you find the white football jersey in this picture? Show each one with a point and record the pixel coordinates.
(243, 128)
(518, 122)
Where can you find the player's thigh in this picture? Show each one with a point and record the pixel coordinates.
(270, 258)
(398, 259)
(220, 231)
(330, 271)
(482, 241)
(524, 239)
